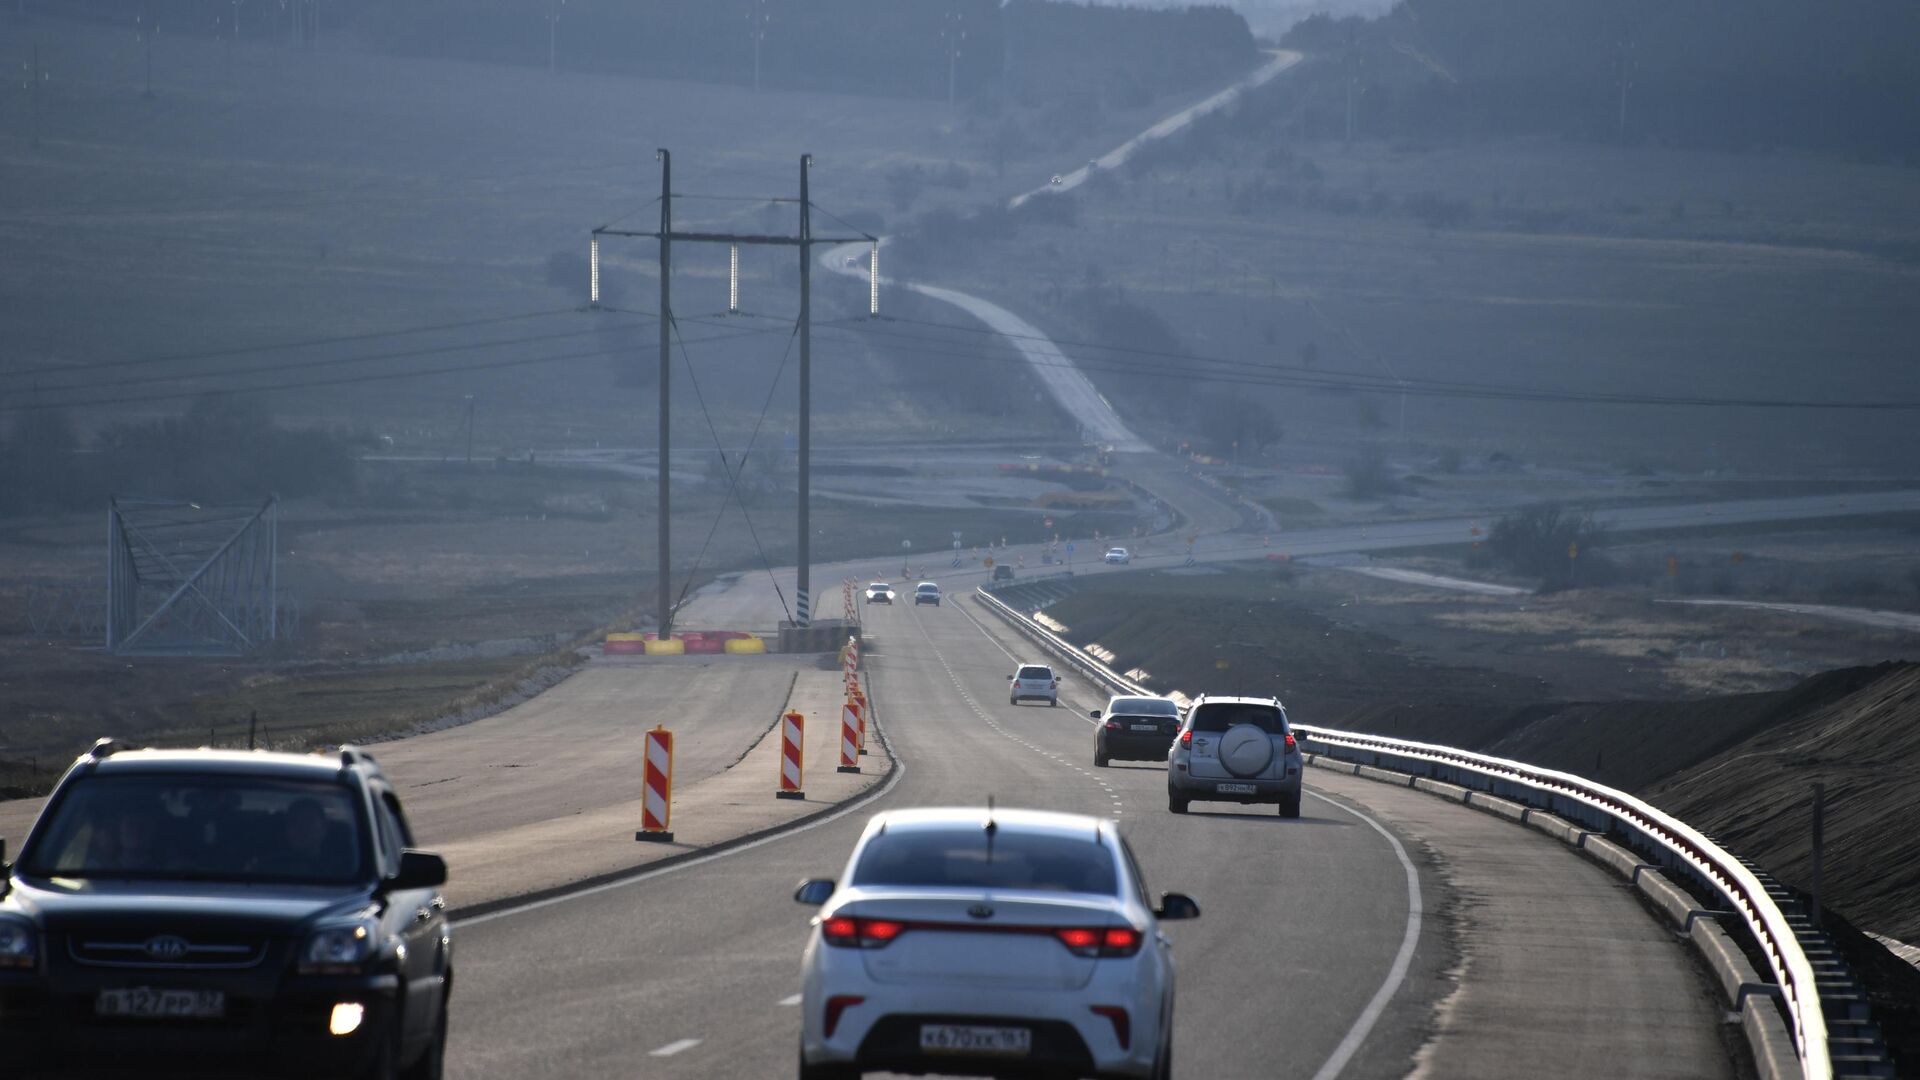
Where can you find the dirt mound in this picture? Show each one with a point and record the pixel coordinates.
(1864, 745)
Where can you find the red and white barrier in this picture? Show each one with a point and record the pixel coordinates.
(656, 801)
(850, 737)
(793, 744)
(860, 719)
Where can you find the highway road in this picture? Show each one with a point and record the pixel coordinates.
(750, 601)
(1325, 945)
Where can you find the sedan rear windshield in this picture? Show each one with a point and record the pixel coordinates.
(1223, 715)
(1031, 672)
(201, 828)
(974, 858)
(1144, 706)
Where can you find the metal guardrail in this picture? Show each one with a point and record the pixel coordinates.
(1672, 841)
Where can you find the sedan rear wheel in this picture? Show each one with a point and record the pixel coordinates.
(1099, 758)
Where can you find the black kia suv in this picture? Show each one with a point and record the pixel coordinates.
(211, 912)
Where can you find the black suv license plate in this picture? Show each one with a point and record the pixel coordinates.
(146, 1002)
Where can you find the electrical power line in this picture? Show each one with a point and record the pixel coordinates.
(341, 339)
(351, 380)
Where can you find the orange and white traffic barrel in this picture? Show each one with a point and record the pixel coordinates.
(793, 743)
(850, 737)
(656, 802)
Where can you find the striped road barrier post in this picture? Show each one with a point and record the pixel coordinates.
(860, 711)
(793, 744)
(849, 738)
(656, 803)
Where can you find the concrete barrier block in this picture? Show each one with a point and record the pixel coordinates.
(1669, 899)
(1613, 856)
(1766, 1031)
(1320, 761)
(738, 646)
(669, 647)
(1738, 981)
(1557, 827)
(1505, 808)
(1384, 776)
(1441, 788)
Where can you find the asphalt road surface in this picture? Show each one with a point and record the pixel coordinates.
(1322, 950)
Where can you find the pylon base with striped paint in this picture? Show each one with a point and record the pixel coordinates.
(663, 836)
(789, 794)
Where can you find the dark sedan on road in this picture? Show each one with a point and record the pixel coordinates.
(1136, 729)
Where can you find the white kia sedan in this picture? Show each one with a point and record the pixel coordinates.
(988, 942)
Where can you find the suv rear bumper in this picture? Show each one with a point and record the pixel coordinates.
(1197, 789)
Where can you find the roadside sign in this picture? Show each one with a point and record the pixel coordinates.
(1047, 522)
(987, 562)
(956, 534)
(1573, 550)
(956, 545)
(1069, 547)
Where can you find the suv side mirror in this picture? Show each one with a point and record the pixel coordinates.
(419, 870)
(1175, 905)
(1095, 713)
(813, 891)
(1009, 678)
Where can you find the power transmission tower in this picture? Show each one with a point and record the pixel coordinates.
(953, 34)
(1627, 66)
(757, 19)
(804, 240)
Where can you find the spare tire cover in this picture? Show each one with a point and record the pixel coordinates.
(1246, 750)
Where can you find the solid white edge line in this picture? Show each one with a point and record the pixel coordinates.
(899, 770)
(1397, 974)
(673, 1048)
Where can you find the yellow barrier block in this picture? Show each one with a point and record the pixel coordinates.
(666, 648)
(626, 637)
(746, 645)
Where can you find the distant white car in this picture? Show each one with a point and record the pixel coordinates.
(880, 592)
(1119, 555)
(926, 593)
(988, 942)
(1033, 681)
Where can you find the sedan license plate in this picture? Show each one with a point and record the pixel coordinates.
(1237, 789)
(1146, 727)
(146, 1002)
(973, 1039)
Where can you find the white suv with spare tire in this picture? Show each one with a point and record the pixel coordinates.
(1235, 749)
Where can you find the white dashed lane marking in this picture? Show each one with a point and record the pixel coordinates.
(673, 1048)
(793, 999)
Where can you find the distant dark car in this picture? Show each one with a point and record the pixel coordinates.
(1003, 572)
(1136, 729)
(224, 913)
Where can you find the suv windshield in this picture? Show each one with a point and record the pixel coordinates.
(1032, 672)
(973, 858)
(1219, 716)
(224, 828)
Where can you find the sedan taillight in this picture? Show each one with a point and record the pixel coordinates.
(1291, 745)
(1097, 942)
(1186, 738)
(851, 933)
(1113, 725)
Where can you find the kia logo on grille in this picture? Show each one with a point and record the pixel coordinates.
(980, 911)
(167, 947)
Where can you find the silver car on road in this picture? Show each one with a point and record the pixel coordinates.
(1235, 749)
